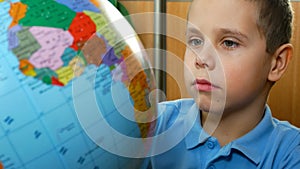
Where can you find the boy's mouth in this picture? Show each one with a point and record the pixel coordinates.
(203, 85)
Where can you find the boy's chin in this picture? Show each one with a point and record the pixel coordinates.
(216, 108)
(209, 106)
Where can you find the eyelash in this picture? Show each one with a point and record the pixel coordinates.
(192, 41)
(232, 46)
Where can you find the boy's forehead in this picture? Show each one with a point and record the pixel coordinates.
(213, 6)
(236, 14)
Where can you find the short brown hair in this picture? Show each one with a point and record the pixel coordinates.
(275, 21)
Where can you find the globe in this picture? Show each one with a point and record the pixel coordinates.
(76, 88)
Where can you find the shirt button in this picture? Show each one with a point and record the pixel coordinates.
(210, 144)
(211, 167)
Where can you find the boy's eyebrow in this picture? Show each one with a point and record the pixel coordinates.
(233, 32)
(228, 31)
(192, 29)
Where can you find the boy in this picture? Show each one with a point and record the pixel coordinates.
(236, 51)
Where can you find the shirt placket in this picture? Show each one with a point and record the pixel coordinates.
(215, 153)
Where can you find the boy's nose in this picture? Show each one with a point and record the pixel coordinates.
(206, 57)
(199, 63)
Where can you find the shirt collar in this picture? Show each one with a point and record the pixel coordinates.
(250, 144)
(254, 142)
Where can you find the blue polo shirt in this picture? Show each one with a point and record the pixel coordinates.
(182, 144)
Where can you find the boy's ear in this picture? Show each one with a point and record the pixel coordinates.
(280, 61)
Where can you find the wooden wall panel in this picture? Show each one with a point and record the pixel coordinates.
(136, 9)
(284, 99)
(176, 47)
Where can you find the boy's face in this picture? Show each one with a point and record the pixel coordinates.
(226, 58)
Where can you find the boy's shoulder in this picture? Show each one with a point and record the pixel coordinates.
(283, 145)
(173, 108)
(180, 105)
(169, 111)
(283, 130)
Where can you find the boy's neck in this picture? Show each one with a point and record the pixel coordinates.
(233, 125)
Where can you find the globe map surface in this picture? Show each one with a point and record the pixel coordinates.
(57, 59)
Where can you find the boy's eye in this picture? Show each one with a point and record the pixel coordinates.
(229, 44)
(195, 42)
